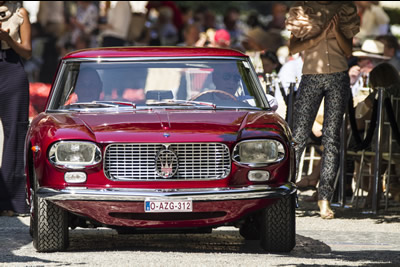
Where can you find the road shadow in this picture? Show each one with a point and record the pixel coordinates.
(14, 235)
(219, 241)
(222, 241)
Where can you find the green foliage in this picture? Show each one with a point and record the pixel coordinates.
(394, 15)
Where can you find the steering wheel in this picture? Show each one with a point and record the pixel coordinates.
(222, 95)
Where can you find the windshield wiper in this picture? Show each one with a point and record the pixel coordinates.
(117, 103)
(101, 104)
(80, 105)
(182, 103)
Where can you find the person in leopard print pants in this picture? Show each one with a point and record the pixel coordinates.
(324, 31)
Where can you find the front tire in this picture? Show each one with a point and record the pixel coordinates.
(50, 226)
(278, 225)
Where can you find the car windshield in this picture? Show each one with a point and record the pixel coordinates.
(228, 83)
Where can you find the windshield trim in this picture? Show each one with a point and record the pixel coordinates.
(124, 59)
(142, 108)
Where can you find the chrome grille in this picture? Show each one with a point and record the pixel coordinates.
(196, 161)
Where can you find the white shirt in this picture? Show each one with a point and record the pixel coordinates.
(291, 72)
(119, 16)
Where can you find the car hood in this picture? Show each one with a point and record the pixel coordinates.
(166, 125)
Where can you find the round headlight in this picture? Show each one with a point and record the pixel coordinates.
(258, 152)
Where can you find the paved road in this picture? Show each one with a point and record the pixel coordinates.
(353, 239)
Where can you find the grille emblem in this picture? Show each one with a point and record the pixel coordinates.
(166, 163)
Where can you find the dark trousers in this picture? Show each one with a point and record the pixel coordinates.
(14, 112)
(335, 89)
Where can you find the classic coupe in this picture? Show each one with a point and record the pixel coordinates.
(142, 139)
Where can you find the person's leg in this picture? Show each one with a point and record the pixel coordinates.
(14, 109)
(306, 107)
(337, 91)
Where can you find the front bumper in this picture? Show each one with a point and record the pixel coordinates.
(196, 194)
(126, 207)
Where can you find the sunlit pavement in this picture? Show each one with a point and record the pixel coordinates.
(353, 238)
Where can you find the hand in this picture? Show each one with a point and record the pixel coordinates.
(354, 73)
(332, 25)
(5, 35)
(202, 40)
(335, 23)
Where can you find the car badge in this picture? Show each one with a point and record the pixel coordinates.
(166, 135)
(166, 163)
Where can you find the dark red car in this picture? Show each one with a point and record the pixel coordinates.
(161, 139)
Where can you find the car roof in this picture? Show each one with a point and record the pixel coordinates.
(112, 52)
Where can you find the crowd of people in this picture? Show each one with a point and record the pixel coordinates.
(62, 27)
(326, 49)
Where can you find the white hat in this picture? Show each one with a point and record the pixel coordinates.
(372, 49)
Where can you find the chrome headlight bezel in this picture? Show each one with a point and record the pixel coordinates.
(269, 151)
(74, 148)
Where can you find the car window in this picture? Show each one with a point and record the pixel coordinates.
(222, 83)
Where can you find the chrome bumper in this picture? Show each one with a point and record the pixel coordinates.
(196, 194)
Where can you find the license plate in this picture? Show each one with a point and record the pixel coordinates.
(159, 205)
